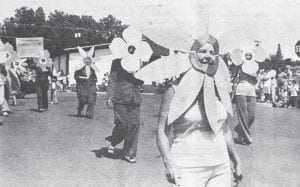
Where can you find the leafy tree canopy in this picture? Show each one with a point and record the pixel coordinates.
(59, 28)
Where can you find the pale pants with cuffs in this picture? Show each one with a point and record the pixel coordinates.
(209, 176)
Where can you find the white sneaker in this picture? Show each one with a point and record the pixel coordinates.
(111, 149)
(5, 114)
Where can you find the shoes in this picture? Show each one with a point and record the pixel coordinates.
(40, 110)
(111, 149)
(130, 159)
(5, 113)
(51, 102)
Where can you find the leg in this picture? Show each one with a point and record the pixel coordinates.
(131, 139)
(195, 176)
(242, 114)
(5, 108)
(1, 101)
(14, 97)
(45, 97)
(82, 101)
(221, 176)
(91, 104)
(121, 121)
(251, 105)
(55, 96)
(39, 97)
(52, 95)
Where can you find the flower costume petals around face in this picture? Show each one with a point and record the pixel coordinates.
(248, 59)
(131, 49)
(44, 61)
(87, 59)
(19, 66)
(7, 54)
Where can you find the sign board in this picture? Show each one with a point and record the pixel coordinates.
(30, 47)
(297, 48)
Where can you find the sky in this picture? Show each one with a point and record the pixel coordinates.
(270, 21)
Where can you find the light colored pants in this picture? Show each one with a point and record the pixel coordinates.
(5, 106)
(209, 176)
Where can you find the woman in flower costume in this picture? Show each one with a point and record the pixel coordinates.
(196, 108)
(245, 97)
(14, 72)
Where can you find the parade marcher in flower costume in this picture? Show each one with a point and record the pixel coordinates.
(14, 73)
(245, 96)
(43, 67)
(8, 56)
(123, 92)
(196, 108)
(86, 79)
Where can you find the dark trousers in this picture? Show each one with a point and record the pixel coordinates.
(293, 101)
(245, 108)
(127, 127)
(90, 101)
(42, 97)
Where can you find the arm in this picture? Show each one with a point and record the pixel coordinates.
(233, 154)
(111, 85)
(162, 138)
(3, 70)
(112, 79)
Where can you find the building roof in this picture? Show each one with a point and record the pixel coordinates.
(98, 46)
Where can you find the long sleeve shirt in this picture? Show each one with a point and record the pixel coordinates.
(123, 87)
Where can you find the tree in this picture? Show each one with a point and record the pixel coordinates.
(110, 27)
(277, 59)
(59, 29)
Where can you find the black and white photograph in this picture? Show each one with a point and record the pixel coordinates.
(185, 93)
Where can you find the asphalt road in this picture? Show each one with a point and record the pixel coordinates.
(55, 148)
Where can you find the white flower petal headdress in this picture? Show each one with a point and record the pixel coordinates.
(19, 65)
(131, 49)
(84, 55)
(7, 54)
(44, 61)
(248, 58)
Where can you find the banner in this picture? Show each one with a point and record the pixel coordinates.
(30, 47)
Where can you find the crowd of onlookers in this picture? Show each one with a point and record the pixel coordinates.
(278, 88)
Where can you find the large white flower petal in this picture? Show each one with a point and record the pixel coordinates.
(164, 67)
(260, 54)
(236, 57)
(131, 63)
(132, 36)
(118, 48)
(144, 51)
(250, 67)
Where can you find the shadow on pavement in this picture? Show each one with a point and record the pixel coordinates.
(75, 116)
(34, 110)
(103, 153)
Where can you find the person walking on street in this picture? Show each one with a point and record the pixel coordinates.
(123, 95)
(86, 80)
(42, 67)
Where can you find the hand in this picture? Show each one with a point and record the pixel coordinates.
(172, 174)
(237, 173)
(109, 103)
